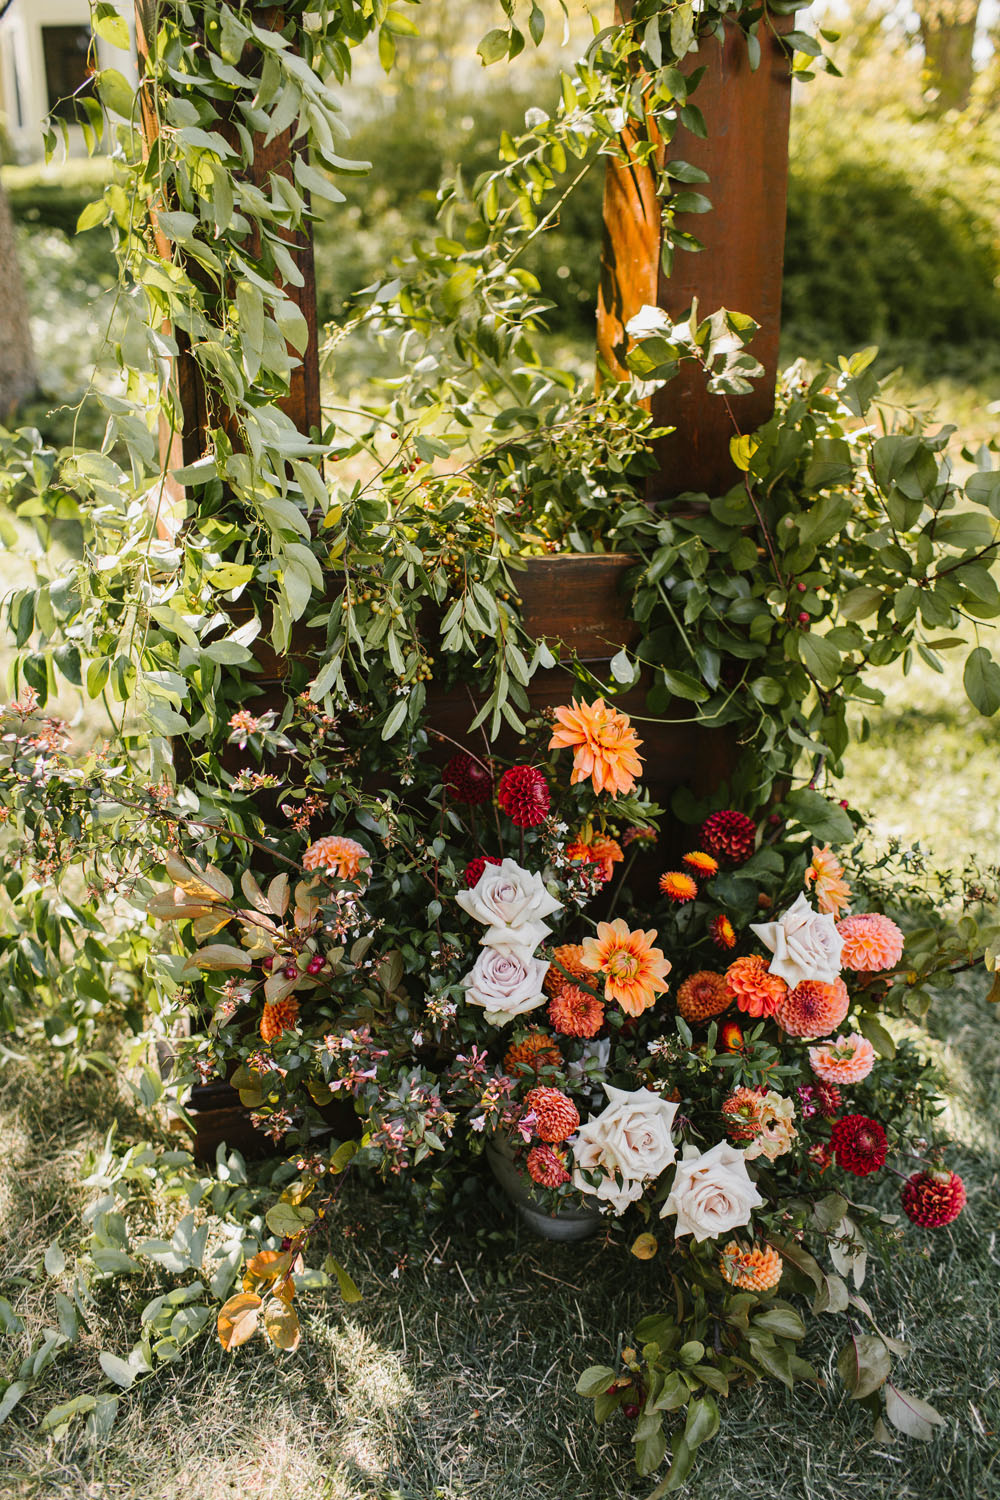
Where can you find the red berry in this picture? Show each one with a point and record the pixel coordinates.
(803, 618)
(844, 802)
(314, 965)
(631, 1410)
(267, 964)
(801, 587)
(290, 971)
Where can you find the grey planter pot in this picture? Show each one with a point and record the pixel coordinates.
(565, 1224)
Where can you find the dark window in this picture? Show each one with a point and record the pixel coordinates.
(66, 50)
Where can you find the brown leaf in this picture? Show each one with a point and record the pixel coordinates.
(282, 1324)
(277, 895)
(238, 1320)
(266, 1267)
(218, 956)
(174, 906)
(208, 926)
(210, 884)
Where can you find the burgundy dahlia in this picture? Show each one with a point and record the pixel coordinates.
(859, 1144)
(933, 1199)
(474, 869)
(523, 794)
(468, 780)
(729, 835)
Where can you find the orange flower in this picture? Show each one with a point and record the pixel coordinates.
(833, 894)
(634, 971)
(872, 943)
(678, 886)
(575, 1013)
(702, 864)
(567, 964)
(536, 1051)
(703, 995)
(279, 1017)
(813, 1008)
(756, 989)
(604, 745)
(723, 932)
(335, 856)
(731, 1037)
(756, 1269)
(600, 851)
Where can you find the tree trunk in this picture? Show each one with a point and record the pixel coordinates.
(17, 365)
(948, 33)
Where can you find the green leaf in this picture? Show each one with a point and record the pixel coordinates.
(820, 816)
(982, 681)
(348, 1288)
(821, 658)
(118, 1370)
(11, 1397)
(683, 685)
(94, 213)
(595, 1381)
(287, 1219)
(864, 1365)
(112, 28)
(875, 1032)
(859, 603)
(494, 45)
(911, 1415)
(782, 1321)
(55, 1260)
(702, 1421)
(395, 719)
(116, 92)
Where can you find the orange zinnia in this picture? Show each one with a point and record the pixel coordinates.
(634, 971)
(601, 851)
(604, 745)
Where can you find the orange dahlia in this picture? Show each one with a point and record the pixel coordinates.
(849, 1059)
(279, 1017)
(701, 863)
(547, 1167)
(556, 1116)
(604, 745)
(813, 1009)
(678, 886)
(634, 971)
(832, 892)
(703, 995)
(755, 989)
(601, 851)
(536, 1051)
(722, 931)
(335, 856)
(744, 1114)
(755, 1270)
(567, 964)
(871, 943)
(573, 1012)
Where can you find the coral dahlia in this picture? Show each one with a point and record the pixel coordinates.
(279, 1017)
(679, 886)
(703, 995)
(600, 851)
(468, 780)
(755, 1270)
(523, 794)
(701, 864)
(813, 1008)
(604, 745)
(859, 1144)
(634, 971)
(755, 989)
(847, 1059)
(729, 835)
(335, 856)
(474, 869)
(536, 1051)
(546, 1167)
(556, 1116)
(566, 966)
(871, 943)
(744, 1114)
(933, 1199)
(722, 932)
(573, 1012)
(832, 892)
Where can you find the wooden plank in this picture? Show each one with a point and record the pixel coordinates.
(746, 158)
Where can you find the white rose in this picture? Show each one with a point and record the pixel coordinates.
(712, 1193)
(631, 1137)
(510, 902)
(805, 944)
(505, 984)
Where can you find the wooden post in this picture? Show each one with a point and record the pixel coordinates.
(276, 158)
(746, 158)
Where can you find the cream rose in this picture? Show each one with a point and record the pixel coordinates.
(712, 1193)
(505, 984)
(630, 1138)
(805, 944)
(510, 903)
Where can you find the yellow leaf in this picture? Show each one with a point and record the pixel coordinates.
(218, 956)
(238, 1320)
(644, 1247)
(210, 884)
(208, 926)
(277, 895)
(298, 1192)
(174, 906)
(282, 1324)
(266, 1267)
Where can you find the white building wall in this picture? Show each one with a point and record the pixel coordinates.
(23, 84)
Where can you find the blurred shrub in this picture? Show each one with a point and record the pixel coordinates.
(55, 196)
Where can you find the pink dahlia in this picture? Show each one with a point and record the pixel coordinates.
(847, 1059)
(871, 943)
(813, 1008)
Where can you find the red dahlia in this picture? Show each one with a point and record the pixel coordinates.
(546, 1167)
(933, 1199)
(523, 794)
(858, 1144)
(468, 780)
(474, 869)
(729, 835)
